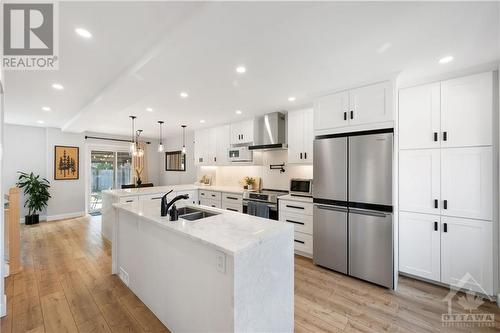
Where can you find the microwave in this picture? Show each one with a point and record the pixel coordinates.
(240, 154)
(301, 187)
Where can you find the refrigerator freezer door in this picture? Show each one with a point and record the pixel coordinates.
(330, 169)
(330, 237)
(371, 246)
(370, 169)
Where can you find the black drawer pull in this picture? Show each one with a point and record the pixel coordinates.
(445, 227)
(231, 209)
(435, 226)
(435, 136)
(296, 207)
(156, 198)
(445, 204)
(232, 198)
(301, 223)
(445, 136)
(214, 206)
(202, 193)
(130, 201)
(213, 195)
(436, 203)
(299, 241)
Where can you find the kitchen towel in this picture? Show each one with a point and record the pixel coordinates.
(259, 209)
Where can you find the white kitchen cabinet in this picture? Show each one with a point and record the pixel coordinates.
(331, 111)
(210, 203)
(467, 182)
(370, 104)
(419, 245)
(201, 142)
(129, 199)
(223, 143)
(419, 117)
(299, 213)
(243, 132)
(467, 111)
(211, 147)
(193, 198)
(300, 136)
(419, 180)
(466, 248)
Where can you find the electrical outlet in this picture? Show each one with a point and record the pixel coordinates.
(124, 276)
(221, 262)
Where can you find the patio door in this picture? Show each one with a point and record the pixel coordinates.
(109, 170)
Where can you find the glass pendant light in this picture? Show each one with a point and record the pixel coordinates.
(132, 141)
(160, 144)
(138, 150)
(184, 150)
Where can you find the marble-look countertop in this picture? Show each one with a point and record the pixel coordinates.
(176, 188)
(296, 198)
(230, 232)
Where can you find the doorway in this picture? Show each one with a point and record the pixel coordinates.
(108, 170)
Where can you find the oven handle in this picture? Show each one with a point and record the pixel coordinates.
(271, 206)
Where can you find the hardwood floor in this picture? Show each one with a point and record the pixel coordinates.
(66, 286)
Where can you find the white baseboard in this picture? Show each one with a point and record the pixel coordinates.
(58, 216)
(3, 306)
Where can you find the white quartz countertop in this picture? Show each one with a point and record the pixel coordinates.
(176, 188)
(296, 198)
(230, 232)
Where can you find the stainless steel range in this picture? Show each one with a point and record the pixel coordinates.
(267, 196)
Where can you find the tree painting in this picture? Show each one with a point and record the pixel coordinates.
(66, 163)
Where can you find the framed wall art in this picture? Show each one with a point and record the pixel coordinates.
(66, 163)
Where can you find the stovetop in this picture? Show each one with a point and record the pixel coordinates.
(264, 195)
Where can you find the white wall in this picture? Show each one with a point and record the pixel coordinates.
(179, 177)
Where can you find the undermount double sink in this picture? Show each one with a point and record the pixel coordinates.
(193, 214)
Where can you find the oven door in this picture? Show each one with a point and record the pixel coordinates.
(273, 210)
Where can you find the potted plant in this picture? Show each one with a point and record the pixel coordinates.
(250, 181)
(37, 195)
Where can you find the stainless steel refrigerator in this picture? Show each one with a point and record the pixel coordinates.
(353, 224)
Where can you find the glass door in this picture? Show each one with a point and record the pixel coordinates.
(109, 170)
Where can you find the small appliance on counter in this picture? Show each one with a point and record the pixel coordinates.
(301, 187)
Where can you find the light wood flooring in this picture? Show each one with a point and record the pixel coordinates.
(66, 286)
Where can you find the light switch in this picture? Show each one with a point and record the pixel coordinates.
(221, 262)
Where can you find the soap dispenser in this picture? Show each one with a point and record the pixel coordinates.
(174, 213)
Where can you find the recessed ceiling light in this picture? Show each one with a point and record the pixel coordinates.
(446, 60)
(202, 121)
(291, 99)
(45, 108)
(149, 109)
(40, 121)
(184, 94)
(84, 33)
(238, 112)
(57, 86)
(241, 69)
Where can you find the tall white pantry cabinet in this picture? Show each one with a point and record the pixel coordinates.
(447, 181)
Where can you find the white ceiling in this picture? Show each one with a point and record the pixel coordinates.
(143, 54)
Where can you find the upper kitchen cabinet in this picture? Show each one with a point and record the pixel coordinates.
(370, 104)
(300, 136)
(419, 117)
(201, 141)
(467, 111)
(331, 111)
(243, 132)
(223, 142)
(356, 109)
(211, 146)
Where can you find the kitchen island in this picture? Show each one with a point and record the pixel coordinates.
(223, 273)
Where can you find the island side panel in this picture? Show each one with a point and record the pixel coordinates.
(108, 214)
(175, 276)
(264, 286)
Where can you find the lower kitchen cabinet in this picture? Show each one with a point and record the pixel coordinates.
(210, 203)
(467, 249)
(451, 250)
(234, 207)
(300, 214)
(420, 245)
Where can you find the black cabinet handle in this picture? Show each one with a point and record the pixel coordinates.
(298, 241)
(296, 207)
(436, 203)
(445, 136)
(435, 226)
(445, 227)
(352, 114)
(300, 155)
(305, 156)
(435, 136)
(232, 198)
(345, 115)
(301, 223)
(242, 137)
(215, 159)
(213, 195)
(231, 209)
(445, 204)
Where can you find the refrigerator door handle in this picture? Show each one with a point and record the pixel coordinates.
(367, 212)
(336, 209)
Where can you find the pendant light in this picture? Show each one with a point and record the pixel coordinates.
(160, 144)
(138, 150)
(184, 139)
(132, 141)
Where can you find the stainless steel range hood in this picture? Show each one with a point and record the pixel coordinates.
(271, 129)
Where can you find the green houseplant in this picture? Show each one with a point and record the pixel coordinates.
(250, 182)
(37, 194)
